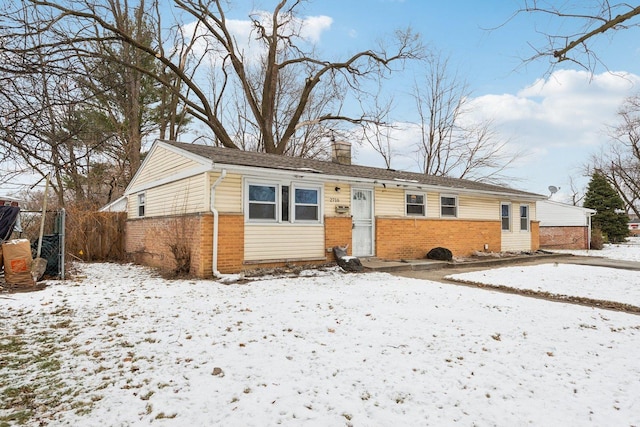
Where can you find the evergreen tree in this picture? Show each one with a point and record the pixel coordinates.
(603, 198)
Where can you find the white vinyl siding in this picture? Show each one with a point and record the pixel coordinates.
(163, 163)
(389, 202)
(477, 207)
(176, 198)
(228, 195)
(333, 197)
(264, 242)
(516, 242)
(554, 214)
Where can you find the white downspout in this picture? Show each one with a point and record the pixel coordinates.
(214, 211)
(589, 216)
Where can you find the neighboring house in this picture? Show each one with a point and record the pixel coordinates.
(117, 205)
(634, 226)
(234, 210)
(564, 226)
(9, 201)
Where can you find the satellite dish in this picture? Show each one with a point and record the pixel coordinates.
(553, 189)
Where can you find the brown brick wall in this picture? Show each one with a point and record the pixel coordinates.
(337, 232)
(564, 237)
(230, 243)
(407, 238)
(148, 240)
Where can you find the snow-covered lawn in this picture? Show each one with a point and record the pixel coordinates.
(122, 347)
(597, 283)
(627, 251)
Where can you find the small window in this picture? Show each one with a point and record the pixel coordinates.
(284, 203)
(306, 204)
(141, 203)
(505, 215)
(524, 217)
(262, 202)
(449, 206)
(415, 204)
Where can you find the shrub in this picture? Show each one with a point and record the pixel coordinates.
(597, 239)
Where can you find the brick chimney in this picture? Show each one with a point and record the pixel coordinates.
(340, 152)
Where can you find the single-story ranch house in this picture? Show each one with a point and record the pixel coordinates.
(231, 210)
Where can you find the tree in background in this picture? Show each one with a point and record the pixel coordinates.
(450, 142)
(266, 86)
(610, 217)
(78, 111)
(619, 161)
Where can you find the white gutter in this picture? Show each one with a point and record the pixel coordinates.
(214, 211)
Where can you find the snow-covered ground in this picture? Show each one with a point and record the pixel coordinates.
(597, 283)
(119, 346)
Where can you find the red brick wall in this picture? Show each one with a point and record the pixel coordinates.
(337, 232)
(230, 243)
(564, 237)
(407, 238)
(148, 240)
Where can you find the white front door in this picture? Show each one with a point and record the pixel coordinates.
(362, 216)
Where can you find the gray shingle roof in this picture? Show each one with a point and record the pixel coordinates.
(230, 156)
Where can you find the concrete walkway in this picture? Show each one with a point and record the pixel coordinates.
(375, 264)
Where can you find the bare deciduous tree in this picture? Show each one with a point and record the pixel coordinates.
(619, 162)
(578, 25)
(450, 143)
(284, 52)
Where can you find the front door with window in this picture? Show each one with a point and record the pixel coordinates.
(362, 211)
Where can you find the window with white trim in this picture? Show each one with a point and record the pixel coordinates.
(141, 204)
(415, 204)
(505, 216)
(524, 217)
(306, 202)
(285, 202)
(262, 202)
(448, 206)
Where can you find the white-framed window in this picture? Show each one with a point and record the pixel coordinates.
(524, 217)
(262, 199)
(282, 202)
(141, 204)
(505, 216)
(306, 204)
(415, 204)
(448, 205)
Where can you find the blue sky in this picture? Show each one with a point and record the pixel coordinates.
(559, 118)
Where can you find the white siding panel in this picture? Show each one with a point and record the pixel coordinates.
(179, 197)
(516, 241)
(389, 202)
(228, 193)
(474, 207)
(162, 164)
(280, 242)
(559, 215)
